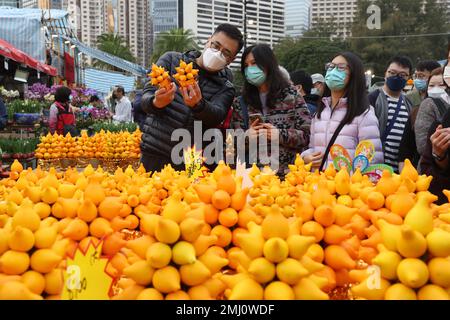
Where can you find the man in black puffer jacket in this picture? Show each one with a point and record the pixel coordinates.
(208, 101)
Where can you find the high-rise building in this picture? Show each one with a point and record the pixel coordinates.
(51, 4)
(10, 3)
(446, 3)
(88, 18)
(166, 15)
(29, 4)
(264, 18)
(341, 12)
(19, 3)
(297, 17)
(134, 25)
(121, 18)
(127, 18)
(74, 10)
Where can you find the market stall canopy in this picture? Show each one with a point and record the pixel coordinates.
(10, 52)
(103, 81)
(26, 28)
(108, 58)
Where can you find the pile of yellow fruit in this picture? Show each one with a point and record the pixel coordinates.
(102, 145)
(301, 238)
(414, 257)
(45, 215)
(186, 75)
(58, 146)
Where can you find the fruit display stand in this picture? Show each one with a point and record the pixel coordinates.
(313, 236)
(109, 150)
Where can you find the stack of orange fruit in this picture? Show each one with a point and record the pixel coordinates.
(186, 74)
(103, 145)
(159, 77)
(58, 146)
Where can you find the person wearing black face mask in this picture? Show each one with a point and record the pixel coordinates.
(392, 108)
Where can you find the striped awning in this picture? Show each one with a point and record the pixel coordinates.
(10, 52)
(103, 81)
(23, 28)
(108, 58)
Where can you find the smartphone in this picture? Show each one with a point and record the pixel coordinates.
(255, 116)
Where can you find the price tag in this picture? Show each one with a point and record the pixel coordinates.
(193, 162)
(337, 150)
(360, 162)
(373, 177)
(242, 171)
(341, 162)
(379, 168)
(85, 277)
(365, 148)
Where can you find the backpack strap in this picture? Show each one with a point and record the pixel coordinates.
(441, 106)
(393, 119)
(373, 97)
(330, 144)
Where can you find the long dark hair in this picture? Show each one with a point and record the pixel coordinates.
(355, 91)
(266, 60)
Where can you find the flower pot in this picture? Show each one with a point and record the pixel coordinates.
(27, 118)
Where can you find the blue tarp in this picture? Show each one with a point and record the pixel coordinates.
(103, 81)
(108, 58)
(23, 28)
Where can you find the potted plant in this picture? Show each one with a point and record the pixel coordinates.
(18, 148)
(8, 95)
(25, 112)
(5, 149)
(114, 127)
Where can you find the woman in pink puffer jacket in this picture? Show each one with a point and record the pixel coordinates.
(348, 103)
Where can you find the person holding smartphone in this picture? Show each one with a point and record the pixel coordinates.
(435, 160)
(270, 105)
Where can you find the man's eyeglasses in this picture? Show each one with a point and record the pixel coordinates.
(420, 77)
(341, 66)
(218, 47)
(403, 75)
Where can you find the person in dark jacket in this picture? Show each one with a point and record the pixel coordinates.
(393, 108)
(408, 146)
(304, 84)
(208, 101)
(3, 115)
(138, 114)
(421, 78)
(435, 160)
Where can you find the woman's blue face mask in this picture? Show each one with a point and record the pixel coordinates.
(335, 79)
(255, 75)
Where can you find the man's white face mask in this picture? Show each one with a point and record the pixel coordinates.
(213, 60)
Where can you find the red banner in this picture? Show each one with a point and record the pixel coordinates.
(69, 70)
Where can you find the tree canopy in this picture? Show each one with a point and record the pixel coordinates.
(113, 44)
(179, 40)
(408, 27)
